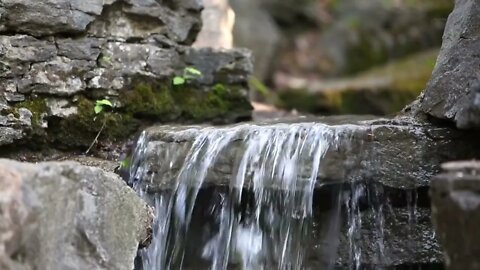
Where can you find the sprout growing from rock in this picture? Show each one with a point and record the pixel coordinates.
(189, 73)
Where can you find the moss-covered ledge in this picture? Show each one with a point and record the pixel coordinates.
(141, 104)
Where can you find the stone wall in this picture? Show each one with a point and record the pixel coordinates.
(58, 57)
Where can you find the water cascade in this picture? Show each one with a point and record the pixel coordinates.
(272, 210)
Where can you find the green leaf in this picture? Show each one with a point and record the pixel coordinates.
(178, 80)
(98, 109)
(104, 102)
(193, 71)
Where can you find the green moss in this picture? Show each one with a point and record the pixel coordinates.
(184, 103)
(199, 105)
(146, 101)
(37, 107)
(79, 130)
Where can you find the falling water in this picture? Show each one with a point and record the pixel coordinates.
(263, 217)
(280, 165)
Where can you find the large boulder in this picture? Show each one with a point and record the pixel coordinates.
(59, 57)
(68, 216)
(451, 93)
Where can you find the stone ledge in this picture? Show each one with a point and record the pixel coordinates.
(398, 153)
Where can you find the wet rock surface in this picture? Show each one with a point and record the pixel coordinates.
(402, 240)
(455, 208)
(398, 153)
(451, 93)
(61, 215)
(387, 232)
(58, 57)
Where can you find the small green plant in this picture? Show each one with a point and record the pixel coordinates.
(100, 106)
(189, 73)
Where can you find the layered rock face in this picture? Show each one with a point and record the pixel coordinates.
(67, 216)
(58, 57)
(452, 91)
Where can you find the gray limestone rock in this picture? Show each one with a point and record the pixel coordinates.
(451, 90)
(221, 66)
(122, 19)
(72, 51)
(79, 49)
(67, 216)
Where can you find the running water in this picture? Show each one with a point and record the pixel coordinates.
(263, 218)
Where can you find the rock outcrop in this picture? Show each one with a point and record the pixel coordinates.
(395, 153)
(58, 57)
(67, 216)
(456, 213)
(451, 93)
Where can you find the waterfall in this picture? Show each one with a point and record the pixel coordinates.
(262, 216)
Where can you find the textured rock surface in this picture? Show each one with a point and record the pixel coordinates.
(396, 153)
(405, 239)
(179, 21)
(58, 57)
(456, 213)
(67, 216)
(451, 93)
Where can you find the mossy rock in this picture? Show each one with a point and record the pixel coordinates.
(186, 103)
(37, 107)
(144, 103)
(80, 130)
